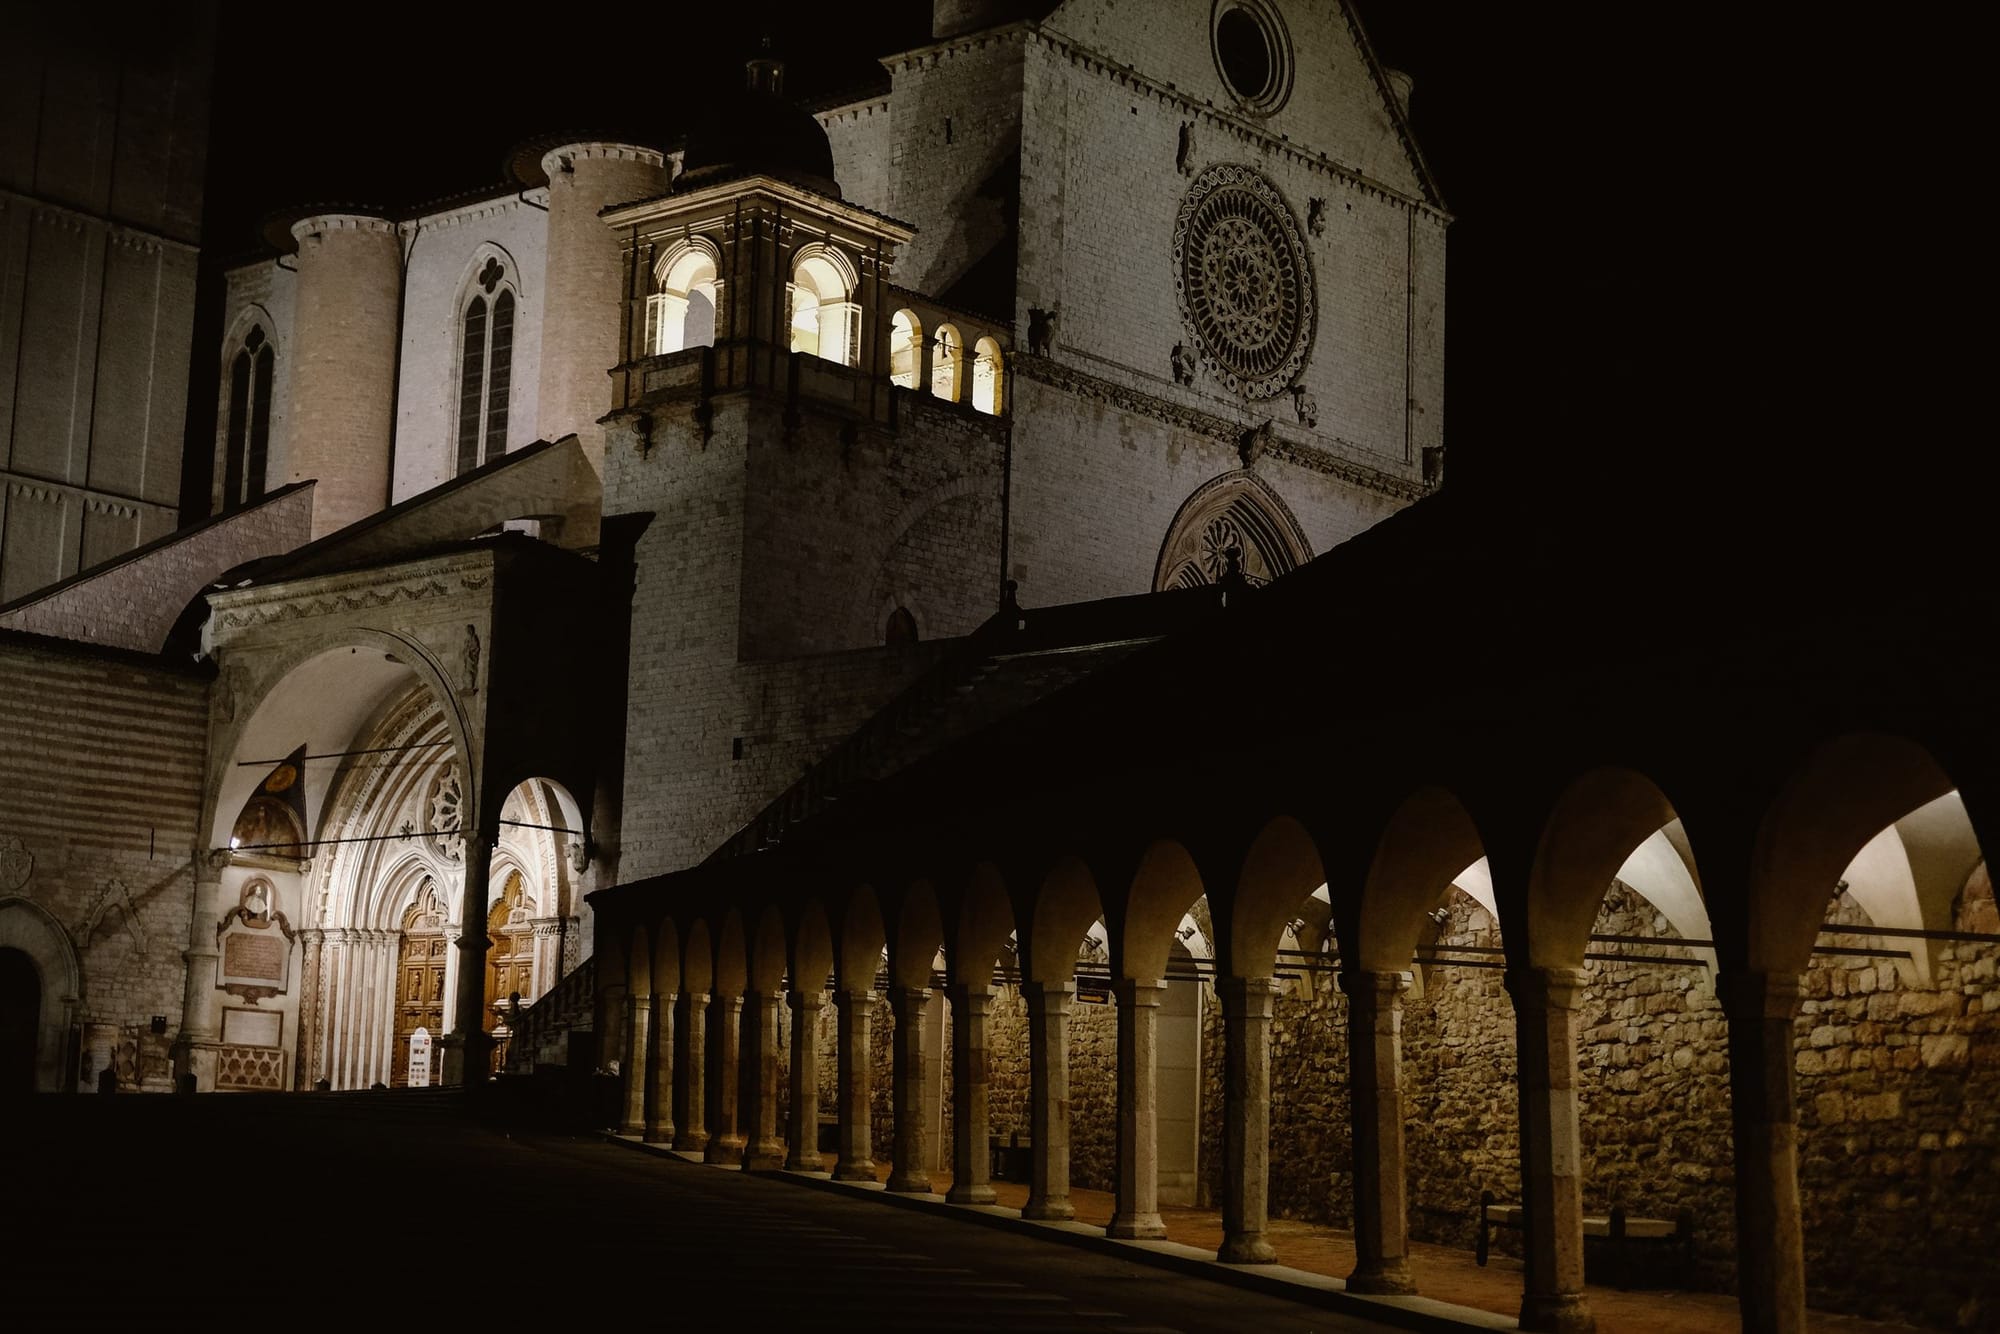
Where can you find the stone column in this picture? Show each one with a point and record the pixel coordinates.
(725, 1143)
(971, 1156)
(638, 1045)
(1552, 1295)
(312, 942)
(1137, 1213)
(194, 1047)
(660, 1072)
(690, 1067)
(1375, 1081)
(1048, 1099)
(765, 1152)
(911, 1005)
(469, 1001)
(1763, 1106)
(805, 1082)
(853, 1010)
(1246, 1118)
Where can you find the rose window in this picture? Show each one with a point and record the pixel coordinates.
(1245, 285)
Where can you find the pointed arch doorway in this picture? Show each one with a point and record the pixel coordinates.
(421, 970)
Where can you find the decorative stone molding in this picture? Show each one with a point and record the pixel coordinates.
(17, 863)
(320, 223)
(360, 591)
(1068, 379)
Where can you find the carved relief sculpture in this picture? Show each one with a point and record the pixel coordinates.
(1306, 406)
(1184, 156)
(1041, 330)
(1316, 216)
(1183, 364)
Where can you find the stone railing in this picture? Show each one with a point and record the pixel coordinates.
(543, 1037)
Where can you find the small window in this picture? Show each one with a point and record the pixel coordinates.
(825, 319)
(681, 314)
(247, 433)
(948, 365)
(906, 343)
(485, 368)
(986, 376)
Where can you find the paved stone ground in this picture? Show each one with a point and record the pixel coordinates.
(394, 1211)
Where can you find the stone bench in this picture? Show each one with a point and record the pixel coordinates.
(1632, 1245)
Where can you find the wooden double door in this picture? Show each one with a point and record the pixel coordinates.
(421, 998)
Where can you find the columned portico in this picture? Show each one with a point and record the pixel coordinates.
(690, 1075)
(1246, 1118)
(1763, 1105)
(971, 1165)
(911, 1006)
(1137, 1214)
(852, 1012)
(660, 1072)
(1375, 1064)
(805, 1156)
(1552, 1297)
(1048, 1099)
(638, 1049)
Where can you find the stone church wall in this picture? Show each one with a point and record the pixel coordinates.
(859, 134)
(100, 781)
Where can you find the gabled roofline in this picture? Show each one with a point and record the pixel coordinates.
(1397, 116)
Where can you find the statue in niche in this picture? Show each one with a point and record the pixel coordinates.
(256, 909)
(1042, 329)
(1316, 216)
(470, 654)
(1183, 364)
(1306, 406)
(1184, 157)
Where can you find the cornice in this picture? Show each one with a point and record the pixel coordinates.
(903, 61)
(719, 199)
(1298, 453)
(352, 590)
(601, 151)
(1250, 133)
(316, 223)
(125, 233)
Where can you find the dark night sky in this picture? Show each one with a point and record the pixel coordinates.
(1649, 201)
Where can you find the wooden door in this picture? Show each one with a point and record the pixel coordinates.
(420, 970)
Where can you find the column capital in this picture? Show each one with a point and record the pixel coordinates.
(847, 1001)
(1536, 990)
(976, 999)
(901, 997)
(1362, 983)
(1130, 992)
(1251, 996)
(805, 1000)
(1053, 998)
(1754, 996)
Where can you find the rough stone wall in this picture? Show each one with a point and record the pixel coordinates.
(133, 604)
(101, 766)
(1093, 1095)
(447, 251)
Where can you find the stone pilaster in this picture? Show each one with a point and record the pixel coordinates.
(1763, 1105)
(636, 1078)
(1137, 1212)
(853, 1011)
(805, 1155)
(971, 1160)
(194, 1046)
(911, 1006)
(690, 1075)
(1246, 1118)
(1552, 1297)
(725, 1017)
(1048, 1099)
(765, 1151)
(469, 1051)
(660, 1072)
(1375, 1076)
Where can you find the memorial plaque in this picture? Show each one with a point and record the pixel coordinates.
(248, 957)
(420, 1059)
(252, 1028)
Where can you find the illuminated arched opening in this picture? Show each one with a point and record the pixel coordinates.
(948, 365)
(906, 342)
(681, 314)
(825, 319)
(988, 387)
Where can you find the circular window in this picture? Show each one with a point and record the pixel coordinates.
(1244, 282)
(1253, 53)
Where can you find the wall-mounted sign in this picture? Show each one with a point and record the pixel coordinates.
(420, 1059)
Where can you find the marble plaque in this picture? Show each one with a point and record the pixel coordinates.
(252, 1028)
(255, 957)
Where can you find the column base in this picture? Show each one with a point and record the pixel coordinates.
(691, 1141)
(1049, 1211)
(661, 1135)
(194, 1067)
(634, 1129)
(724, 1149)
(910, 1183)
(451, 1060)
(1384, 1280)
(846, 1170)
(1247, 1248)
(1565, 1313)
(812, 1162)
(764, 1156)
(980, 1194)
(1136, 1227)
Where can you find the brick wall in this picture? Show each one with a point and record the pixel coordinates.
(101, 760)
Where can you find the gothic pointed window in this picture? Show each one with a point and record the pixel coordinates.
(485, 368)
(247, 433)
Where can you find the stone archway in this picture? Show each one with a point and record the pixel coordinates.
(1237, 512)
(28, 931)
